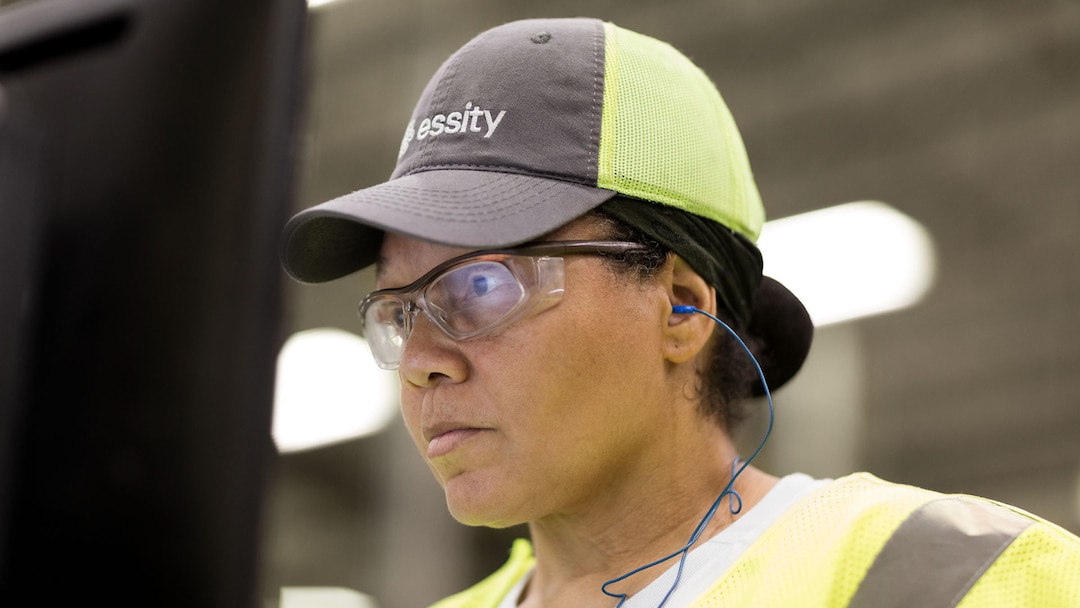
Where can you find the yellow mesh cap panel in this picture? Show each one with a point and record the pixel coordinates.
(668, 137)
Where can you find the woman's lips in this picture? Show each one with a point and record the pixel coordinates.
(448, 441)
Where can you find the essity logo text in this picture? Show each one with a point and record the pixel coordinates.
(464, 122)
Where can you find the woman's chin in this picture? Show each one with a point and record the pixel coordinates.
(473, 502)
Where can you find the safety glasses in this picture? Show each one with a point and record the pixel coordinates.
(476, 294)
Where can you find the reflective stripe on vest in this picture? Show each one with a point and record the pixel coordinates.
(938, 553)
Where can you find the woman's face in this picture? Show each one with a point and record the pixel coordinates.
(545, 417)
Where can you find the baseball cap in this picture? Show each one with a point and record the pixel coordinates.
(534, 123)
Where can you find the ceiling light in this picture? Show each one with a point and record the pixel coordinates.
(320, 3)
(328, 390)
(850, 261)
(324, 597)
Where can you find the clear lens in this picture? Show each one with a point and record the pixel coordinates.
(385, 330)
(472, 298)
(464, 301)
(475, 294)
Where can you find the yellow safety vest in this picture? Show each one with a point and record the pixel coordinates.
(862, 542)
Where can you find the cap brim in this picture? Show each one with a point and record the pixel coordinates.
(785, 329)
(454, 207)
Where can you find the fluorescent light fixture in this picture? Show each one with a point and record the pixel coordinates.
(328, 390)
(319, 3)
(850, 261)
(324, 597)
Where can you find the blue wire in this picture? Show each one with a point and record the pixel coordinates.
(728, 489)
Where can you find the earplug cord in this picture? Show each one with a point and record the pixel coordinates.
(734, 500)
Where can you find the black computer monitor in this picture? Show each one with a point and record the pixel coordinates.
(146, 157)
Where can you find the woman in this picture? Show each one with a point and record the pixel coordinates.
(569, 289)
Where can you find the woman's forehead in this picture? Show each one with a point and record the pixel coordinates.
(400, 256)
(401, 253)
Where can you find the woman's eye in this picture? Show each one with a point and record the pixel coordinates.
(483, 284)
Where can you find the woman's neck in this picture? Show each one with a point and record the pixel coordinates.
(630, 525)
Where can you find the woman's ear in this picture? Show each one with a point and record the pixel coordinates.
(687, 333)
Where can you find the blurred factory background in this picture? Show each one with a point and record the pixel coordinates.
(964, 116)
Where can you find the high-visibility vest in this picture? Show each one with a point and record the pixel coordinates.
(860, 541)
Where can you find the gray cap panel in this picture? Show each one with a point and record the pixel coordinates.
(524, 98)
(477, 209)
